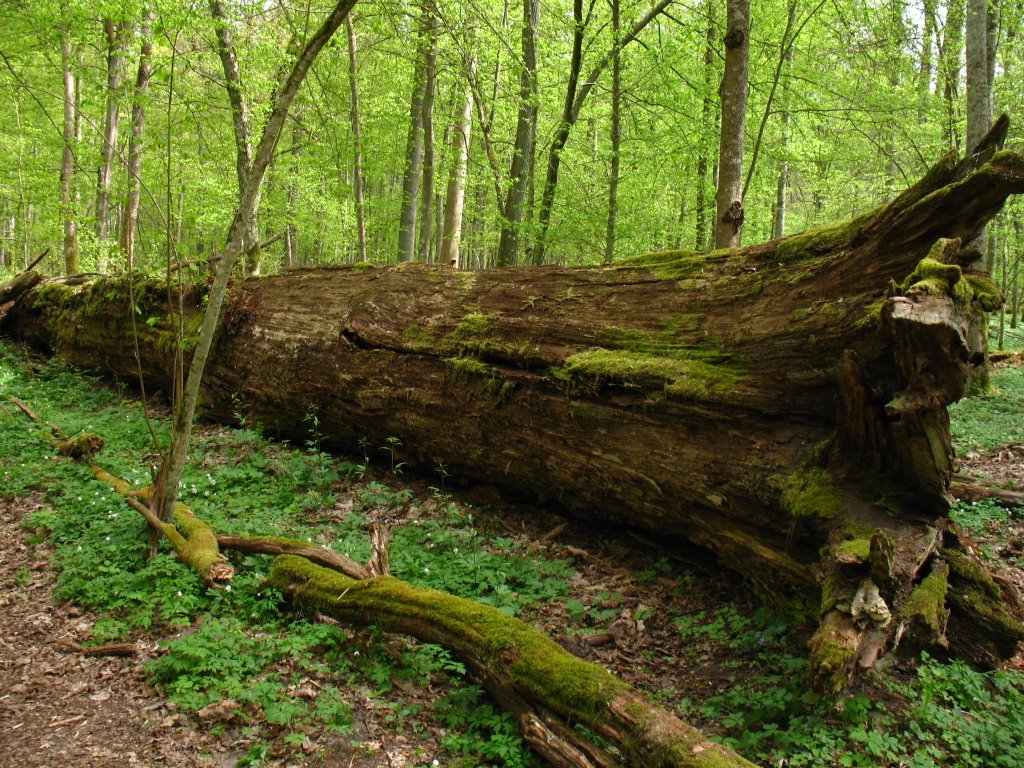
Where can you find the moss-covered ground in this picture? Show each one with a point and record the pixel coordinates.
(294, 691)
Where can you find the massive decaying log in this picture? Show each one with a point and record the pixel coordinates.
(783, 405)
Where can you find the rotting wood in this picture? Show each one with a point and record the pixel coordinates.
(548, 690)
(783, 405)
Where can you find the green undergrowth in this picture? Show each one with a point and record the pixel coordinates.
(238, 650)
(941, 714)
(290, 684)
(985, 422)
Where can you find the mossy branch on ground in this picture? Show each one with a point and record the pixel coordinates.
(512, 658)
(193, 540)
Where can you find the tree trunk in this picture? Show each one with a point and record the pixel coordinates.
(426, 234)
(521, 170)
(924, 67)
(357, 142)
(242, 122)
(413, 158)
(950, 53)
(129, 223)
(575, 96)
(67, 166)
(117, 38)
(706, 129)
(613, 177)
(173, 464)
(808, 449)
(733, 93)
(455, 196)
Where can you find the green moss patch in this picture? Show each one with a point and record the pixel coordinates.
(575, 688)
(810, 244)
(810, 493)
(677, 376)
(927, 602)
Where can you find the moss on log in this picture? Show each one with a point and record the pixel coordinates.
(773, 404)
(515, 662)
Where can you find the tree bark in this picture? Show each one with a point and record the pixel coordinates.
(950, 53)
(733, 93)
(706, 129)
(413, 158)
(521, 169)
(808, 449)
(117, 38)
(357, 142)
(616, 136)
(455, 196)
(241, 120)
(67, 166)
(426, 233)
(131, 213)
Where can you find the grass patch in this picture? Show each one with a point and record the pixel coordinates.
(985, 422)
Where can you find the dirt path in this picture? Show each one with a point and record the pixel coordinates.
(60, 707)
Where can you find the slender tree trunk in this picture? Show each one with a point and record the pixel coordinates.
(173, 464)
(455, 196)
(67, 166)
(357, 141)
(733, 93)
(924, 67)
(526, 136)
(613, 179)
(242, 123)
(782, 188)
(706, 130)
(568, 119)
(426, 233)
(117, 37)
(576, 95)
(413, 158)
(129, 222)
(949, 62)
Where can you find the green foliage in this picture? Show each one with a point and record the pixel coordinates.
(985, 422)
(481, 736)
(949, 715)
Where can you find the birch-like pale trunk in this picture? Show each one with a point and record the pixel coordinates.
(116, 37)
(67, 165)
(357, 140)
(455, 195)
(426, 228)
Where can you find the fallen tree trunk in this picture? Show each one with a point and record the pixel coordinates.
(783, 405)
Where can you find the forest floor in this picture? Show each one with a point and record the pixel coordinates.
(651, 612)
(64, 708)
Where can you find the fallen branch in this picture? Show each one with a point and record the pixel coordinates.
(969, 489)
(546, 687)
(276, 545)
(107, 649)
(193, 540)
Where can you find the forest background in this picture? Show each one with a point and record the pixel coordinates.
(430, 130)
